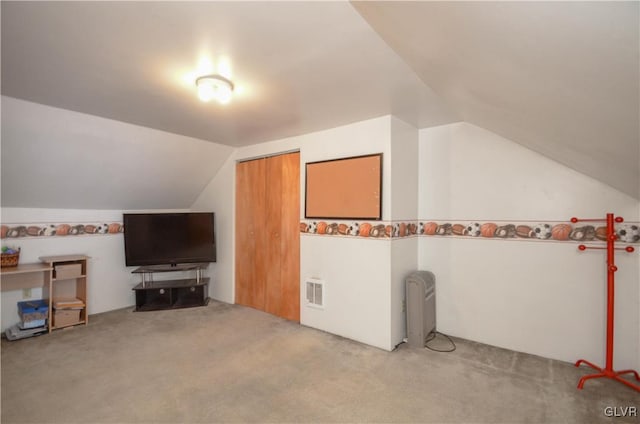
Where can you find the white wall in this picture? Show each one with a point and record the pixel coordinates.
(356, 274)
(539, 297)
(109, 281)
(404, 207)
(90, 169)
(219, 197)
(543, 298)
(56, 158)
(356, 271)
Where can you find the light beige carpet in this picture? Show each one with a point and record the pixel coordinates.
(226, 363)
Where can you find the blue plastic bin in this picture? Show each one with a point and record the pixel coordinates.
(33, 313)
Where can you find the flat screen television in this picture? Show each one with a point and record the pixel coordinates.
(169, 238)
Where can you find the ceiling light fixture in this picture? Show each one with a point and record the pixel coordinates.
(216, 87)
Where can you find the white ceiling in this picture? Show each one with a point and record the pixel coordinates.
(561, 78)
(299, 66)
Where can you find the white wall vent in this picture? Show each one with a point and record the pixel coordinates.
(315, 293)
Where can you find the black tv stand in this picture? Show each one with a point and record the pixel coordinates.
(171, 294)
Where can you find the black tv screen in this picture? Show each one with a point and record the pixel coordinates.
(169, 238)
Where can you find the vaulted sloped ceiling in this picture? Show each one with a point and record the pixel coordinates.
(561, 78)
(55, 158)
(299, 67)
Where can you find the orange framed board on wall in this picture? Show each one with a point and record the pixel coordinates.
(346, 188)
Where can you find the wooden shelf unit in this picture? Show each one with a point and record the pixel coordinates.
(25, 276)
(68, 286)
(43, 274)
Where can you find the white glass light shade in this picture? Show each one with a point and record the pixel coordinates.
(216, 87)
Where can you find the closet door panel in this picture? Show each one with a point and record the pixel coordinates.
(290, 238)
(250, 226)
(273, 250)
(267, 235)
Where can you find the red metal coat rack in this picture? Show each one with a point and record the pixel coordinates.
(608, 371)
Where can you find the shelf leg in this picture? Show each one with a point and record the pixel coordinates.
(147, 277)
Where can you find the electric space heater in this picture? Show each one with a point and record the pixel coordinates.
(421, 307)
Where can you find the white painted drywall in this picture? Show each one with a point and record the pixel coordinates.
(404, 260)
(542, 298)
(403, 170)
(356, 275)
(56, 158)
(109, 281)
(404, 207)
(91, 169)
(356, 271)
(469, 172)
(219, 198)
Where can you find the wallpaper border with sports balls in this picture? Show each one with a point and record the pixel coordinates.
(558, 231)
(563, 231)
(58, 229)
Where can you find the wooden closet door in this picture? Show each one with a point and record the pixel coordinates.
(268, 235)
(273, 211)
(282, 296)
(250, 227)
(290, 238)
